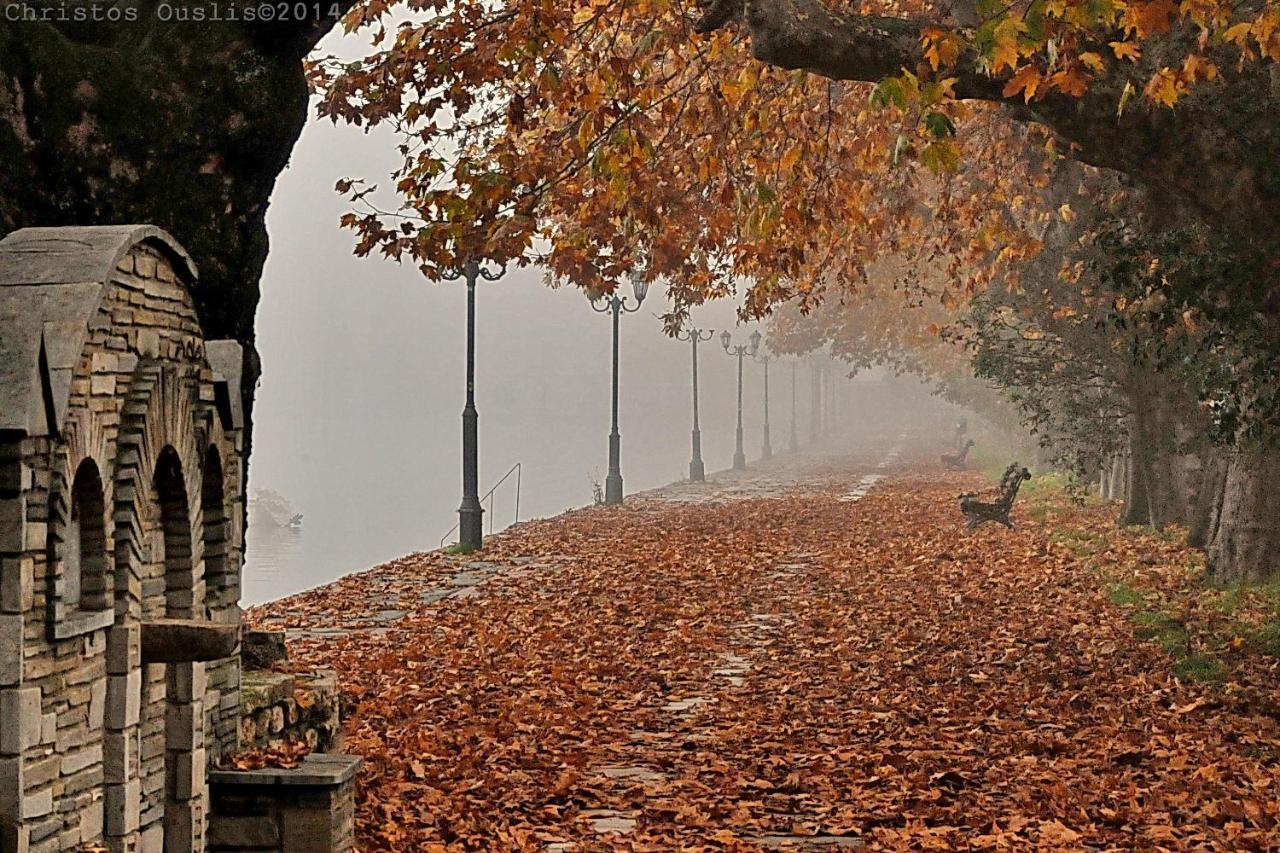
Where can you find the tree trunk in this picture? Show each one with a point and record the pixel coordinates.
(1246, 546)
(1137, 509)
(1114, 476)
(1207, 507)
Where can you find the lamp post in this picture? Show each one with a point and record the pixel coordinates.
(617, 305)
(766, 449)
(726, 339)
(793, 445)
(470, 512)
(694, 335)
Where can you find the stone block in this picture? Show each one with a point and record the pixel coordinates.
(184, 726)
(145, 265)
(44, 834)
(48, 728)
(105, 362)
(10, 649)
(42, 772)
(124, 649)
(119, 756)
(188, 774)
(37, 803)
(183, 829)
(91, 822)
(123, 807)
(148, 343)
(102, 385)
(233, 832)
(12, 781)
(20, 716)
(153, 841)
(13, 515)
(35, 536)
(84, 783)
(190, 681)
(74, 762)
(17, 582)
(97, 703)
(306, 829)
(124, 700)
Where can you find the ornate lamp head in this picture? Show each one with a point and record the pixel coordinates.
(726, 339)
(755, 341)
(639, 286)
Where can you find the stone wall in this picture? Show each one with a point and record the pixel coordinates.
(299, 708)
(97, 746)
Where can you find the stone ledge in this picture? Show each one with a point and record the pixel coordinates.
(316, 770)
(78, 622)
(188, 640)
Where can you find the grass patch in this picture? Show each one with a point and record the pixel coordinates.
(1169, 634)
(1200, 668)
(1264, 638)
(459, 548)
(1123, 595)
(1045, 486)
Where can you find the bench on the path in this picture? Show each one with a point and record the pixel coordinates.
(977, 512)
(956, 461)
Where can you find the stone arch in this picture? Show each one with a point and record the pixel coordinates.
(159, 415)
(158, 575)
(174, 536)
(86, 573)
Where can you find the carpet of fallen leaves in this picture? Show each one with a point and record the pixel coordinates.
(866, 669)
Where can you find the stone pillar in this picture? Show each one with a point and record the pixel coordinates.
(120, 759)
(19, 706)
(185, 759)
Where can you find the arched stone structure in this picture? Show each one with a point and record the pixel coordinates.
(111, 407)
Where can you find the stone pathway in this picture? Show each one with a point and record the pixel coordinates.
(412, 592)
(750, 638)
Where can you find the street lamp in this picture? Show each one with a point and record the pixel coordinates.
(697, 472)
(793, 445)
(726, 339)
(470, 512)
(766, 450)
(618, 305)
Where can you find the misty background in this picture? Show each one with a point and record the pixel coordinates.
(357, 423)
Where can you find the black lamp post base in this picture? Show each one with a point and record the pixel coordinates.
(697, 471)
(471, 528)
(613, 489)
(766, 452)
(739, 461)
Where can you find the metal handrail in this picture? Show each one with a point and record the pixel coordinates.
(516, 469)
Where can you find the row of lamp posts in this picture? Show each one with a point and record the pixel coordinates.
(471, 512)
